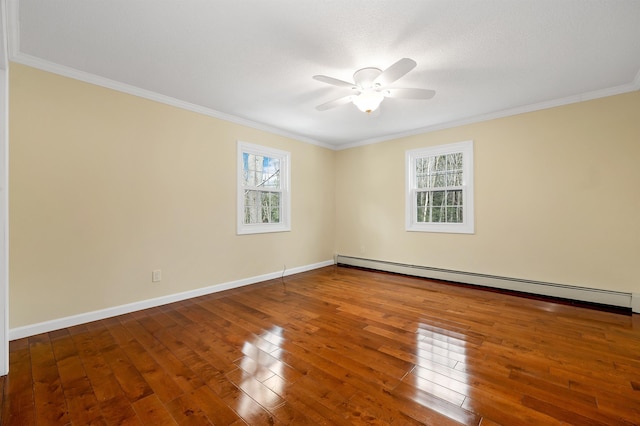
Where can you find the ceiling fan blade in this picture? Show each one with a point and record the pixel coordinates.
(333, 81)
(409, 93)
(395, 71)
(334, 103)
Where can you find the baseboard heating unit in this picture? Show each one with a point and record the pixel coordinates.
(582, 294)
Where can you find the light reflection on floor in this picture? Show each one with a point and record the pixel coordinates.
(260, 374)
(437, 356)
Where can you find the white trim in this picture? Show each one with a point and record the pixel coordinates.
(12, 27)
(635, 302)
(56, 324)
(16, 56)
(64, 71)
(584, 294)
(581, 97)
(4, 196)
(636, 81)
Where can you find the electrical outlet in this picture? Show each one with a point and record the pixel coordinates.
(156, 275)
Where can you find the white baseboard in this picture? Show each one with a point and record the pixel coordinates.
(56, 324)
(584, 294)
(635, 302)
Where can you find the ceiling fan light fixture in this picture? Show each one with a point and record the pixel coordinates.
(368, 101)
(371, 86)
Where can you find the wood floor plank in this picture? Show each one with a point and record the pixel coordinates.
(161, 383)
(19, 401)
(2, 411)
(428, 408)
(51, 405)
(151, 411)
(103, 382)
(180, 372)
(82, 403)
(558, 411)
(128, 376)
(287, 414)
(186, 410)
(334, 346)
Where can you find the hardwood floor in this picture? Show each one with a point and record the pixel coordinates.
(335, 346)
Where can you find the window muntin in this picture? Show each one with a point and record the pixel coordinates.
(263, 189)
(440, 188)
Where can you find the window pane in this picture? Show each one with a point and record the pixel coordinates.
(454, 214)
(454, 161)
(264, 208)
(272, 181)
(433, 180)
(251, 198)
(429, 164)
(454, 178)
(423, 214)
(274, 198)
(421, 199)
(252, 161)
(252, 206)
(269, 207)
(454, 198)
(422, 180)
(438, 214)
(275, 215)
(270, 172)
(438, 198)
(261, 207)
(261, 171)
(441, 163)
(439, 206)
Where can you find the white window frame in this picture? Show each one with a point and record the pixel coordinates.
(467, 226)
(285, 190)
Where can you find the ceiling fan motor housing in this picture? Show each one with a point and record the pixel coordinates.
(365, 77)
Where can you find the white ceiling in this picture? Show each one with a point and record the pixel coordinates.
(252, 61)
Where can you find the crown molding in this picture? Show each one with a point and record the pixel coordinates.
(13, 28)
(154, 96)
(636, 81)
(596, 94)
(14, 55)
(75, 74)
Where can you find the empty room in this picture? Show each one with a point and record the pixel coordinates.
(303, 212)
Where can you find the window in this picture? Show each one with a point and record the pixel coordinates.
(263, 189)
(439, 194)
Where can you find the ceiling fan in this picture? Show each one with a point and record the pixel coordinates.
(372, 86)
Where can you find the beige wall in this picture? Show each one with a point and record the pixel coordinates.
(556, 198)
(105, 187)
